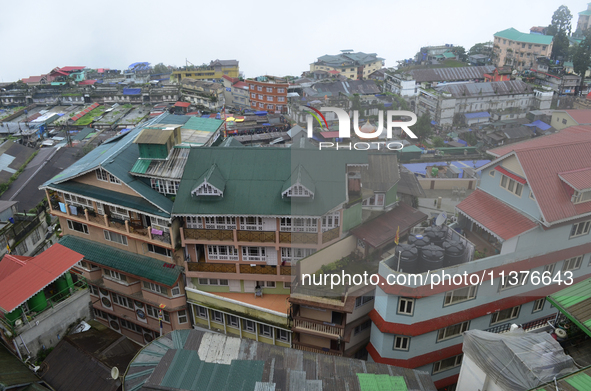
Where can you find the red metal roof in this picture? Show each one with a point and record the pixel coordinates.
(33, 79)
(36, 274)
(494, 215)
(382, 229)
(10, 264)
(580, 116)
(86, 82)
(577, 179)
(510, 175)
(241, 84)
(71, 69)
(182, 104)
(328, 135)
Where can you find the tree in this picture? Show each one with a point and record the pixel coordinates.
(582, 58)
(481, 48)
(161, 68)
(438, 142)
(423, 126)
(460, 52)
(560, 29)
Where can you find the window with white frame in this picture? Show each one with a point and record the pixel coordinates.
(363, 326)
(249, 325)
(282, 335)
(513, 280)
(452, 331)
(182, 316)
(165, 186)
(233, 321)
(253, 254)
(251, 223)
(572, 263)
(330, 221)
(122, 301)
(511, 185)
(460, 295)
(266, 284)
(87, 266)
(504, 315)
(207, 190)
(93, 290)
(270, 107)
(581, 196)
(265, 331)
(155, 288)
(401, 342)
(269, 89)
(35, 236)
(375, 200)
(160, 224)
(253, 95)
(539, 304)
(76, 226)
(259, 88)
(153, 312)
(281, 99)
(261, 105)
(115, 237)
(201, 312)
(280, 90)
(549, 269)
(361, 300)
(220, 222)
(406, 306)
(119, 213)
(194, 222)
(492, 173)
(448, 363)
(222, 253)
(298, 190)
(288, 224)
(78, 201)
(260, 96)
(130, 326)
(213, 281)
(295, 254)
(269, 98)
(113, 275)
(217, 316)
(159, 250)
(103, 175)
(176, 291)
(580, 229)
(286, 285)
(101, 314)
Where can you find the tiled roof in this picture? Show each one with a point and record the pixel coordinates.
(494, 215)
(35, 275)
(543, 159)
(125, 261)
(577, 179)
(518, 36)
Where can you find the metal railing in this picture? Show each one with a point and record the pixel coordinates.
(308, 348)
(208, 234)
(321, 327)
(528, 326)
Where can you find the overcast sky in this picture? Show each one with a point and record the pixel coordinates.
(267, 37)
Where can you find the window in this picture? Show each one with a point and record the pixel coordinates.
(159, 250)
(155, 288)
(201, 312)
(512, 280)
(100, 313)
(298, 225)
(233, 321)
(572, 263)
(452, 331)
(491, 173)
(268, 284)
(460, 295)
(401, 343)
(280, 90)
(220, 222)
(122, 301)
(550, 269)
(580, 229)
(579, 197)
(131, 326)
(282, 335)
(270, 107)
(531, 195)
(297, 191)
(164, 186)
(511, 185)
(361, 300)
(280, 99)
(113, 275)
(269, 89)
(93, 290)
(448, 363)
(375, 200)
(182, 316)
(249, 326)
(406, 306)
(217, 316)
(176, 291)
(261, 105)
(253, 95)
(222, 253)
(35, 236)
(86, 266)
(115, 237)
(213, 281)
(253, 254)
(153, 312)
(259, 88)
(265, 331)
(564, 121)
(363, 326)
(103, 175)
(504, 315)
(539, 304)
(260, 96)
(76, 226)
(330, 221)
(119, 213)
(287, 285)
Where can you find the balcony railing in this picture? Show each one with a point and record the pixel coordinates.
(208, 234)
(258, 269)
(256, 236)
(330, 235)
(529, 326)
(309, 348)
(321, 327)
(223, 257)
(285, 270)
(298, 237)
(212, 267)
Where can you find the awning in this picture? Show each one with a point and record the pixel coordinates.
(511, 175)
(574, 302)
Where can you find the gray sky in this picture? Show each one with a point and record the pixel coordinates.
(267, 37)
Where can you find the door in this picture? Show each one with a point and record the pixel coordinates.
(249, 286)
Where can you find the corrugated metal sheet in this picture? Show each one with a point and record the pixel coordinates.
(451, 74)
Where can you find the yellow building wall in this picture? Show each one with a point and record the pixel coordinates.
(558, 119)
(512, 164)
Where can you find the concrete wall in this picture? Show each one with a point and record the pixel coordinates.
(48, 328)
(559, 118)
(447, 184)
(327, 255)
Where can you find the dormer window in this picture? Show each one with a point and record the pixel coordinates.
(104, 176)
(207, 189)
(297, 191)
(299, 184)
(581, 196)
(211, 183)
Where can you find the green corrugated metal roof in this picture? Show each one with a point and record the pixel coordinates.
(448, 55)
(172, 119)
(141, 166)
(81, 135)
(214, 177)
(518, 36)
(586, 12)
(573, 302)
(301, 176)
(372, 382)
(128, 262)
(203, 124)
(581, 382)
(411, 148)
(110, 197)
(230, 142)
(255, 177)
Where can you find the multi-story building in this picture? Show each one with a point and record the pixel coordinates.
(112, 215)
(584, 20)
(356, 66)
(530, 214)
(519, 50)
(503, 99)
(203, 94)
(236, 93)
(212, 72)
(268, 95)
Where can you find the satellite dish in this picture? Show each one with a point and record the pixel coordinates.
(560, 333)
(115, 373)
(18, 322)
(441, 219)
(514, 72)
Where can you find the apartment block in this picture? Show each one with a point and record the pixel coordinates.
(531, 214)
(212, 72)
(355, 66)
(519, 50)
(268, 95)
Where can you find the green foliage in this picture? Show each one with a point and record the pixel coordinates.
(582, 57)
(160, 68)
(481, 48)
(423, 127)
(42, 355)
(470, 138)
(560, 29)
(437, 142)
(89, 117)
(460, 52)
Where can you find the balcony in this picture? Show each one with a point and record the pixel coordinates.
(298, 237)
(256, 236)
(332, 234)
(536, 324)
(208, 234)
(258, 269)
(332, 330)
(211, 267)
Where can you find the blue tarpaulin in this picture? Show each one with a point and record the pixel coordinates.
(540, 125)
(433, 123)
(260, 113)
(482, 114)
(132, 91)
(465, 144)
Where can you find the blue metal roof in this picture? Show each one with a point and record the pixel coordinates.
(540, 125)
(482, 114)
(132, 91)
